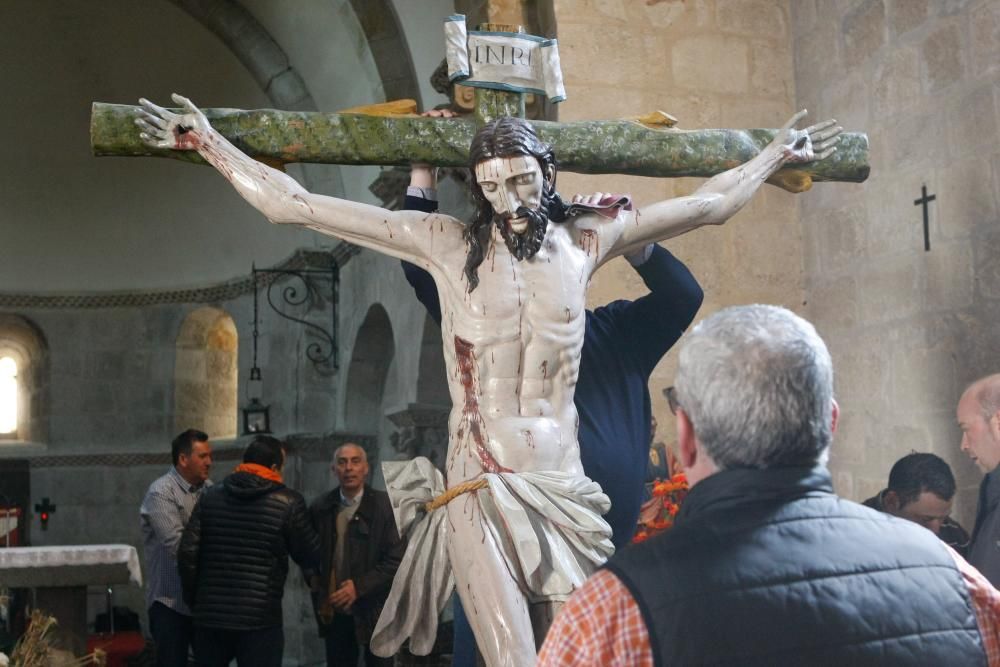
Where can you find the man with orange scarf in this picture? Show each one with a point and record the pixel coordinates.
(233, 560)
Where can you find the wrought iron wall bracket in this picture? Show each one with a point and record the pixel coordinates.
(305, 294)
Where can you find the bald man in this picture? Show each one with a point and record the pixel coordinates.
(978, 416)
(361, 550)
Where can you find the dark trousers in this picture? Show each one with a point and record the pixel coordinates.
(465, 641)
(172, 633)
(216, 647)
(342, 645)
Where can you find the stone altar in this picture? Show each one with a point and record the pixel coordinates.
(59, 576)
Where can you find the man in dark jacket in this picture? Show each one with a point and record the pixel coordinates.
(361, 550)
(764, 564)
(978, 416)
(233, 560)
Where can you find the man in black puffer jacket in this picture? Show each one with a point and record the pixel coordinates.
(765, 565)
(233, 560)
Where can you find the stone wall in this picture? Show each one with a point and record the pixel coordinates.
(123, 375)
(114, 381)
(908, 329)
(709, 63)
(396, 366)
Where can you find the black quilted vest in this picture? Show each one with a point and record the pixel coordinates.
(769, 567)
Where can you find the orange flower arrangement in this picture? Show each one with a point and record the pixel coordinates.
(658, 512)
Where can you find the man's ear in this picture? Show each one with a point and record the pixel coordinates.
(550, 174)
(834, 416)
(890, 502)
(686, 445)
(994, 425)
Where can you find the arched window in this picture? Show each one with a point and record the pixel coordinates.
(205, 374)
(8, 397)
(24, 380)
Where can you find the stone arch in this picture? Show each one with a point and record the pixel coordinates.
(206, 389)
(432, 381)
(366, 374)
(380, 23)
(23, 341)
(422, 426)
(253, 46)
(271, 67)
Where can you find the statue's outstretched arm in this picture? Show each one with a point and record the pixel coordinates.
(722, 196)
(280, 197)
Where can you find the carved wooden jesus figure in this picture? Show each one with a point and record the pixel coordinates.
(513, 290)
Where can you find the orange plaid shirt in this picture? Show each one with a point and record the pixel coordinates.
(601, 625)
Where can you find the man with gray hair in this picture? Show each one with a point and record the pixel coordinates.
(360, 553)
(978, 416)
(761, 541)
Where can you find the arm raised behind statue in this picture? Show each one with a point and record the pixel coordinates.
(423, 179)
(402, 234)
(652, 323)
(722, 196)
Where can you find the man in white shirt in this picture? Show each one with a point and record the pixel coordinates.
(165, 511)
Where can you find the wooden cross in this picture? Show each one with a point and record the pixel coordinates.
(924, 201)
(646, 147)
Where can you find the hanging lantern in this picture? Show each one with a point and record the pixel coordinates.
(256, 414)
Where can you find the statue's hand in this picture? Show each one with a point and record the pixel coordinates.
(439, 113)
(589, 200)
(816, 142)
(165, 129)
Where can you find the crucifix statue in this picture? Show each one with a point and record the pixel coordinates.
(513, 291)
(517, 525)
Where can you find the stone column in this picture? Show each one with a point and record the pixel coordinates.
(422, 430)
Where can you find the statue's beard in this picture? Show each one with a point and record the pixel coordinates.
(523, 246)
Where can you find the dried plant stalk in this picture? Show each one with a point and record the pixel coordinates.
(32, 649)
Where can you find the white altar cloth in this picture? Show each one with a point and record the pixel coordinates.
(8, 524)
(80, 565)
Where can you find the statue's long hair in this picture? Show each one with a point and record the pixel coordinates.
(503, 138)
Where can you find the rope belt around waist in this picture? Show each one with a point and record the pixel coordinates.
(454, 492)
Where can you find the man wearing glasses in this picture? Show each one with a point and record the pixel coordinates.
(765, 565)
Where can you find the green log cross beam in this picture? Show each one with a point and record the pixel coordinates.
(590, 147)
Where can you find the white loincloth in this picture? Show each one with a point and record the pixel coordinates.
(548, 526)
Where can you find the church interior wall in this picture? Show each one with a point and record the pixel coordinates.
(111, 413)
(117, 224)
(908, 328)
(710, 63)
(114, 236)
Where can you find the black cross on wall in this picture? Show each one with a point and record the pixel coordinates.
(45, 510)
(924, 200)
